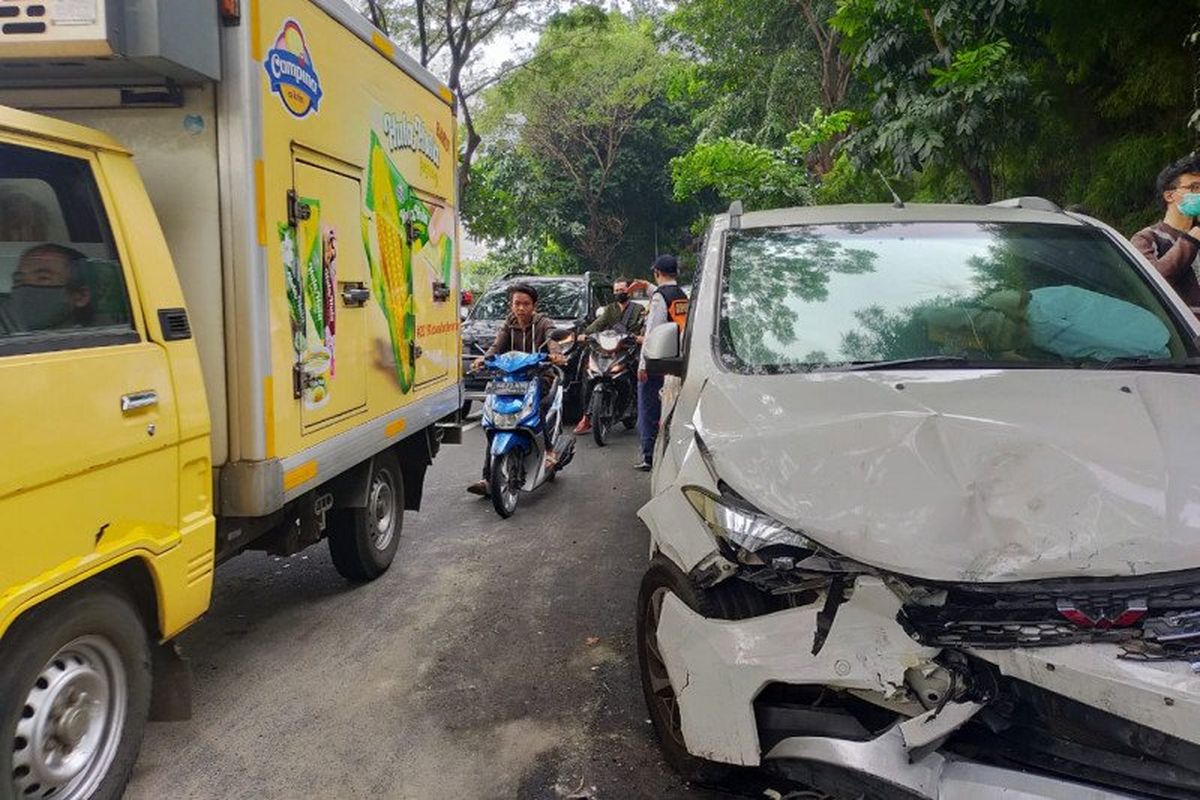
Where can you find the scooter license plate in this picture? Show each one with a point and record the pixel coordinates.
(510, 388)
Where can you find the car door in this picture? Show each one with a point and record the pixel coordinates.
(88, 419)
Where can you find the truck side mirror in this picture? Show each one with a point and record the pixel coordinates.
(661, 349)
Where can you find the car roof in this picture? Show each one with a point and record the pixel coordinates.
(507, 279)
(911, 212)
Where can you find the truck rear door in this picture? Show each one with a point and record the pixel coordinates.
(89, 424)
(435, 290)
(332, 283)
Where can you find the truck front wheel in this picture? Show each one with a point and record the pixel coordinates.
(363, 541)
(75, 679)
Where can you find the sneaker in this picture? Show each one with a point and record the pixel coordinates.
(480, 488)
(643, 465)
(584, 426)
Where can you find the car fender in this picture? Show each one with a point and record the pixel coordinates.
(676, 530)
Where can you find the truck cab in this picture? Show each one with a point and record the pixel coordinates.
(229, 320)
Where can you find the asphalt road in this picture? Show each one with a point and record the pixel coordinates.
(495, 659)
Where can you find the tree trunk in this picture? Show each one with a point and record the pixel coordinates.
(422, 33)
(377, 16)
(980, 176)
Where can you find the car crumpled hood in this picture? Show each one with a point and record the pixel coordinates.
(970, 476)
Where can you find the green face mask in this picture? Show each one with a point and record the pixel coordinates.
(1190, 204)
(41, 308)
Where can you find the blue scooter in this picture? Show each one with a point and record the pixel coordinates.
(517, 436)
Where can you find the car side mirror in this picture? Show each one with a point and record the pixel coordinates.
(661, 350)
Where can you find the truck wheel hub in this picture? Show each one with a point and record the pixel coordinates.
(383, 509)
(71, 724)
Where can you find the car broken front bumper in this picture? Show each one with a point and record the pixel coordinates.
(719, 668)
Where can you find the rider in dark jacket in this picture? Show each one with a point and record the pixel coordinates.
(622, 315)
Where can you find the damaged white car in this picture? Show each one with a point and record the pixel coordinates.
(925, 517)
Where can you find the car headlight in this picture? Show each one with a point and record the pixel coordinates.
(746, 529)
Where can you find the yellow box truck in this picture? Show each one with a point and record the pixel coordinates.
(228, 319)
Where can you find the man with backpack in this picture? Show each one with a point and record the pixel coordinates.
(667, 304)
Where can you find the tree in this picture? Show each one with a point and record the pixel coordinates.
(760, 66)
(573, 109)
(945, 88)
(737, 170)
(448, 34)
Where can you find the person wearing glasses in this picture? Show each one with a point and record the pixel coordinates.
(1173, 245)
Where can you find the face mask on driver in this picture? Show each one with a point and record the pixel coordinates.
(622, 297)
(1189, 206)
(40, 308)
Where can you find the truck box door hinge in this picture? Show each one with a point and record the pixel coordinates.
(415, 350)
(296, 210)
(297, 380)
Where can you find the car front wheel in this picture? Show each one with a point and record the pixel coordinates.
(729, 600)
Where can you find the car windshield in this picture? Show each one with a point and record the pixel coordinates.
(947, 293)
(556, 299)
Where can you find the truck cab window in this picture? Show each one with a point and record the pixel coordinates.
(61, 284)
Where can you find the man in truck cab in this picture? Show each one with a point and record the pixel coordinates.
(58, 288)
(524, 331)
(49, 291)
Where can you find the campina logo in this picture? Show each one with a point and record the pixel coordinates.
(290, 68)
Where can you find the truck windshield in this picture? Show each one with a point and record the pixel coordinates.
(559, 299)
(936, 295)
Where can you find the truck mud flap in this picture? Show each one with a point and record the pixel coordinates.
(171, 693)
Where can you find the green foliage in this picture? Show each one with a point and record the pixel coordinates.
(737, 170)
(945, 85)
(822, 128)
(578, 147)
(756, 67)
(624, 132)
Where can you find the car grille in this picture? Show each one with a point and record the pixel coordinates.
(1066, 612)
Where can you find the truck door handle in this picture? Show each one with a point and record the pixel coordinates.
(441, 291)
(355, 295)
(136, 400)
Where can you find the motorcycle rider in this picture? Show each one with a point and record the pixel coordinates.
(524, 330)
(623, 316)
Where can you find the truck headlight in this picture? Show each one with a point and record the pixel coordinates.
(748, 530)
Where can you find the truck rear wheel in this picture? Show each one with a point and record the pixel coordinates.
(363, 541)
(75, 680)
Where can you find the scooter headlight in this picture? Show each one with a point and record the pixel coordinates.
(503, 411)
(747, 530)
(502, 420)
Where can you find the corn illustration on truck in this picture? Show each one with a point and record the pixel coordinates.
(229, 298)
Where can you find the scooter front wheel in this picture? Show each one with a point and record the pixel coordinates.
(506, 482)
(601, 424)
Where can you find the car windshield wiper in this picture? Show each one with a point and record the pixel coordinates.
(932, 362)
(1189, 364)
